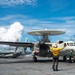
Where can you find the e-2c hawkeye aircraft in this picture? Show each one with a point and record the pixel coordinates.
(10, 52)
(40, 48)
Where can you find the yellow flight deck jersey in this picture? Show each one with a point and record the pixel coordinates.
(56, 50)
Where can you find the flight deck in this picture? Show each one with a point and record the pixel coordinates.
(26, 66)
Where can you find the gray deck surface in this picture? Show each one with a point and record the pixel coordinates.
(26, 66)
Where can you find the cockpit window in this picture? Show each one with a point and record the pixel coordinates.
(67, 44)
(72, 44)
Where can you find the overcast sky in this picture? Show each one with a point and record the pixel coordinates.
(20, 16)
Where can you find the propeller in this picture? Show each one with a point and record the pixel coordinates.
(41, 42)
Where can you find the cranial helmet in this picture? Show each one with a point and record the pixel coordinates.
(55, 45)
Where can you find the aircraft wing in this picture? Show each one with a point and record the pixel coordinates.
(5, 53)
(50, 44)
(17, 44)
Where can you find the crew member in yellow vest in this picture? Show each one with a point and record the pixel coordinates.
(55, 50)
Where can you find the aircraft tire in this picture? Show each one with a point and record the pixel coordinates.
(64, 58)
(14, 56)
(34, 59)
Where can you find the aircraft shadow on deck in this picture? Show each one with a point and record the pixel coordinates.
(11, 61)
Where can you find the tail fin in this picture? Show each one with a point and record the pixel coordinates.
(26, 40)
(25, 48)
(17, 40)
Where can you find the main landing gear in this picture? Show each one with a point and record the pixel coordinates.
(34, 58)
(64, 58)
